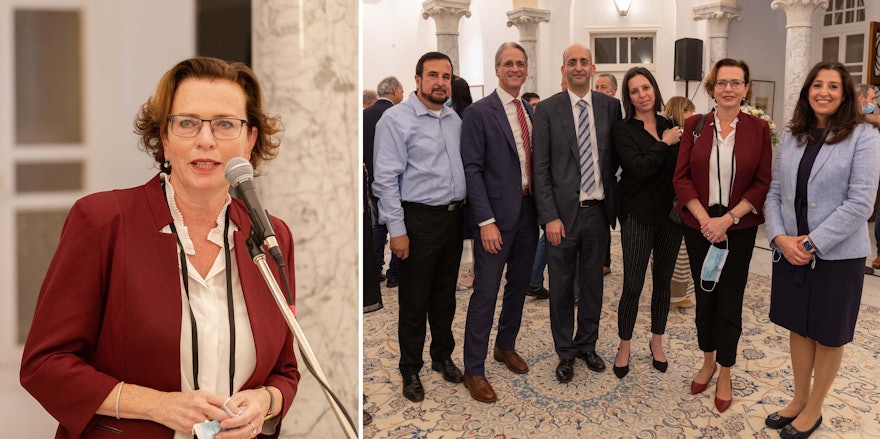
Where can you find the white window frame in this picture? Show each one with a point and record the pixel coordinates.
(625, 33)
(842, 31)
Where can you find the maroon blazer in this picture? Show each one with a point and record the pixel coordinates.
(110, 310)
(753, 154)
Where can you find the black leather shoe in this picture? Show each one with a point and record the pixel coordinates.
(538, 292)
(565, 371)
(594, 361)
(412, 388)
(381, 276)
(789, 432)
(774, 420)
(450, 371)
(392, 282)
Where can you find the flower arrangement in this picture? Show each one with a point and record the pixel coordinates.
(759, 113)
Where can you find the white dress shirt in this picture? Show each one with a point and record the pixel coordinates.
(598, 192)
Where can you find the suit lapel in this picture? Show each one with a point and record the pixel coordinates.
(796, 156)
(600, 119)
(565, 115)
(501, 118)
(821, 158)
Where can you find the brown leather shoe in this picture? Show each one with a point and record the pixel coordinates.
(511, 359)
(876, 262)
(480, 388)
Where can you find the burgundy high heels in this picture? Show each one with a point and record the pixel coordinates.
(701, 387)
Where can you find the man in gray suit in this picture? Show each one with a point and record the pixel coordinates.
(576, 198)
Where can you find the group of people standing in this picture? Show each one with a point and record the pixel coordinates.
(708, 179)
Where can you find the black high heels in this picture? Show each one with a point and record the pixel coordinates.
(659, 365)
(621, 371)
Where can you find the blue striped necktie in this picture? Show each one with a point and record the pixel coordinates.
(588, 178)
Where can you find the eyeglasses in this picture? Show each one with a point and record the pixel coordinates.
(735, 84)
(222, 129)
(510, 64)
(574, 62)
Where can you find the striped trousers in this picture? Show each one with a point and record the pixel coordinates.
(638, 241)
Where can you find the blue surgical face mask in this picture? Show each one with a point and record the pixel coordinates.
(869, 109)
(448, 102)
(207, 429)
(712, 266)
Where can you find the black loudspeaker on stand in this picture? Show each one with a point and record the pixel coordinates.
(688, 60)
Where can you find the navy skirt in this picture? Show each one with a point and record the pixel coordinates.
(819, 302)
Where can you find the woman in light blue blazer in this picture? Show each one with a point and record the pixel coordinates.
(822, 193)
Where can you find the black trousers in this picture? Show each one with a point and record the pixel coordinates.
(427, 283)
(638, 240)
(719, 312)
(372, 295)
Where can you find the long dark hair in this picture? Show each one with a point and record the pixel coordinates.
(841, 123)
(628, 106)
(461, 95)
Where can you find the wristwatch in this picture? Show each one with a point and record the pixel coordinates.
(735, 218)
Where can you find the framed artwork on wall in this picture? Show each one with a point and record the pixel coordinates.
(874, 53)
(476, 92)
(762, 96)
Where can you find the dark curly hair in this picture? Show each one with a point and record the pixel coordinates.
(152, 119)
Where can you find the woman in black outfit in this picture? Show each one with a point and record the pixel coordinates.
(646, 145)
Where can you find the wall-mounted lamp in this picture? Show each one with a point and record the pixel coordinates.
(622, 6)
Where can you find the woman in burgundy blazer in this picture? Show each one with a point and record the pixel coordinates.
(109, 352)
(731, 152)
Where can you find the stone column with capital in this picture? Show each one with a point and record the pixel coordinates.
(719, 15)
(446, 15)
(798, 39)
(526, 21)
(302, 54)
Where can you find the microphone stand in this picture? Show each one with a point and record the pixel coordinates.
(305, 350)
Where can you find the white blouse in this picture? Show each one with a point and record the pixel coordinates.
(208, 302)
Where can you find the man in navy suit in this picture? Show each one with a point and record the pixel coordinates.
(390, 93)
(496, 154)
(576, 197)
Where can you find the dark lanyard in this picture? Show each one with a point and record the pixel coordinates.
(718, 165)
(192, 318)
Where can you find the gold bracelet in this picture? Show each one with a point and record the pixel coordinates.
(271, 411)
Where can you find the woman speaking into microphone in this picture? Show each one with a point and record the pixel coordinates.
(152, 319)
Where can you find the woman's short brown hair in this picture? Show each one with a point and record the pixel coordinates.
(709, 83)
(152, 119)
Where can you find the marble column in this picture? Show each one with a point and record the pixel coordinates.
(798, 36)
(446, 15)
(305, 54)
(526, 21)
(719, 15)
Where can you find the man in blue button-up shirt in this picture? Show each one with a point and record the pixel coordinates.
(419, 182)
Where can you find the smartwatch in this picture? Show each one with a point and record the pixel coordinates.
(808, 246)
